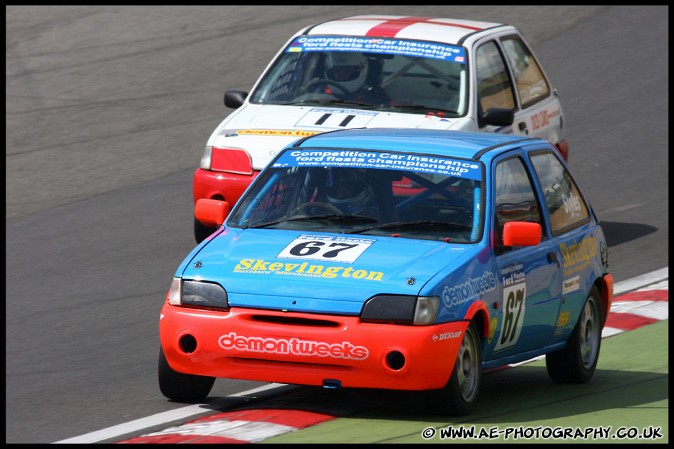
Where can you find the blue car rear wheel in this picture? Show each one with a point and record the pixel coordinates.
(577, 362)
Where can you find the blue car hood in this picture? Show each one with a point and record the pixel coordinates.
(258, 269)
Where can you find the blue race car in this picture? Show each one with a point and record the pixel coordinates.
(403, 259)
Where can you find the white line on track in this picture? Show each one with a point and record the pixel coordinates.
(159, 418)
(196, 409)
(641, 281)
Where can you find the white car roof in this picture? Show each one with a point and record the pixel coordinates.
(449, 31)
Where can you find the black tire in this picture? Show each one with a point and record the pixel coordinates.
(181, 387)
(201, 231)
(577, 361)
(458, 397)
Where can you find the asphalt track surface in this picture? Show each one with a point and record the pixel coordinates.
(107, 112)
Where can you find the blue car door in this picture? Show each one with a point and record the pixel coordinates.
(529, 277)
(575, 234)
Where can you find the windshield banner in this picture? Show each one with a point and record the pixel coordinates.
(419, 163)
(419, 49)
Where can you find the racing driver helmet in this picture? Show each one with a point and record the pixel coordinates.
(349, 192)
(349, 69)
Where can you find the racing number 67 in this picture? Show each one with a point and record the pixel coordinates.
(312, 247)
(513, 315)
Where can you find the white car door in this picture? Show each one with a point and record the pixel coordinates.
(507, 75)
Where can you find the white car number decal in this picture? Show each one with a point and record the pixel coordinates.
(335, 118)
(513, 315)
(334, 249)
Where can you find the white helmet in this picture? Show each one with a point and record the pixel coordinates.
(349, 69)
(347, 191)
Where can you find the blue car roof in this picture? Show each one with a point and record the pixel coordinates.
(463, 144)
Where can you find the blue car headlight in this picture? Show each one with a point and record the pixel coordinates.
(401, 309)
(196, 293)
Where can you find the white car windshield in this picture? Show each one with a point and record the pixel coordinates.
(393, 194)
(375, 73)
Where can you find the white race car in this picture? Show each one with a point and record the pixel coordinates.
(380, 72)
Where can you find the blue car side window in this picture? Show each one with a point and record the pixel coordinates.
(566, 206)
(514, 199)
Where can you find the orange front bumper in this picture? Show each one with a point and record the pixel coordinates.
(308, 349)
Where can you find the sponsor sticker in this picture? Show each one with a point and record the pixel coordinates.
(420, 163)
(384, 46)
(277, 132)
(563, 319)
(577, 255)
(470, 290)
(293, 346)
(492, 328)
(446, 336)
(304, 269)
(571, 285)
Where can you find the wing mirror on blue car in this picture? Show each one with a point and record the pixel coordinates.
(211, 212)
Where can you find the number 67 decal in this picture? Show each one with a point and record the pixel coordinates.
(325, 248)
(513, 315)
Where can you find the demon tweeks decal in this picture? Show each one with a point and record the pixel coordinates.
(295, 346)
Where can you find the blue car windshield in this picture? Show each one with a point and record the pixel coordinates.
(379, 74)
(386, 193)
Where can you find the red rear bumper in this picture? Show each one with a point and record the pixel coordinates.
(220, 185)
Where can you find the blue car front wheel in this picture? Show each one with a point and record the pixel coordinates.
(460, 394)
(181, 387)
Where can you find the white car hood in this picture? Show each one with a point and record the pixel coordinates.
(264, 130)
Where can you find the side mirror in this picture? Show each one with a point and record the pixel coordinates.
(497, 117)
(235, 98)
(211, 213)
(521, 233)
